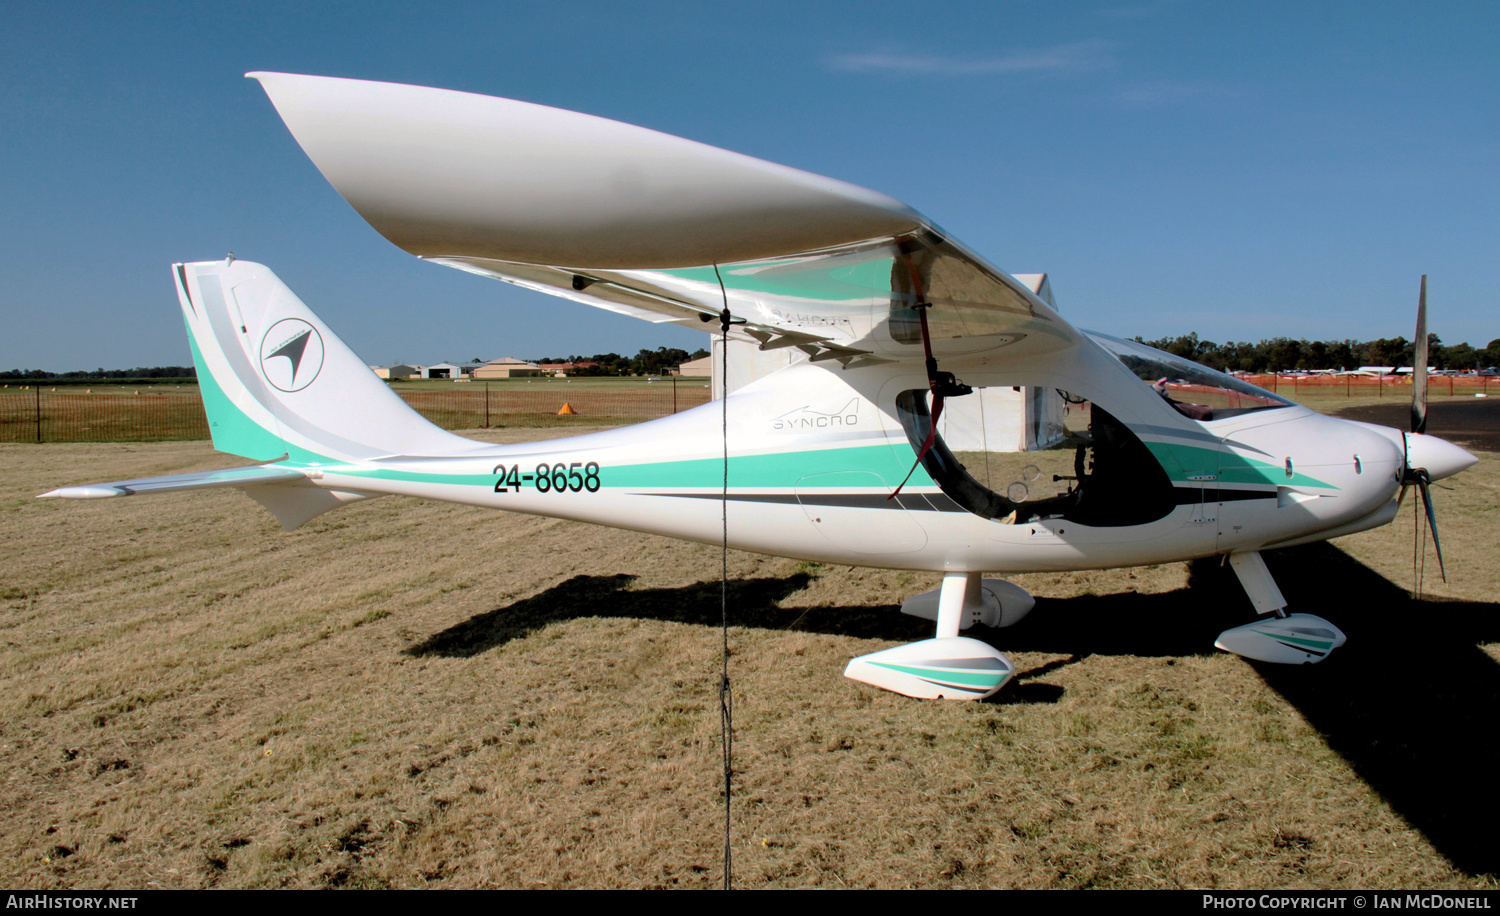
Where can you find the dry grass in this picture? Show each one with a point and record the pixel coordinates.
(407, 694)
(111, 413)
(101, 414)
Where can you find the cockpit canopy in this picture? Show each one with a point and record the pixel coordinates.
(1195, 390)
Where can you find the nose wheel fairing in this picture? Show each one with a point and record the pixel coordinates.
(1296, 639)
(1281, 638)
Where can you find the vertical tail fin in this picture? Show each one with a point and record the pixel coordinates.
(277, 382)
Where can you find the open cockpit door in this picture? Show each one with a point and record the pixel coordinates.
(1102, 475)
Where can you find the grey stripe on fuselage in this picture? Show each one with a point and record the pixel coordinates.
(936, 502)
(912, 502)
(1191, 435)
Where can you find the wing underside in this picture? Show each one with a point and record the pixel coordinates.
(654, 226)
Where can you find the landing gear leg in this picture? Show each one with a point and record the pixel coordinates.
(1256, 579)
(950, 666)
(1285, 639)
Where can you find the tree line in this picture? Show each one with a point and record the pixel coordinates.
(1279, 354)
(646, 362)
(138, 372)
(1276, 354)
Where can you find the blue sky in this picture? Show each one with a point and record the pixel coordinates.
(1241, 170)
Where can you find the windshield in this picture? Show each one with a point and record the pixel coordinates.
(1196, 391)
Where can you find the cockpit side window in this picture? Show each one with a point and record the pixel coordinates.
(1116, 481)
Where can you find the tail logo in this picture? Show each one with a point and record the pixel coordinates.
(291, 354)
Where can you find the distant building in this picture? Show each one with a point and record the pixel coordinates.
(400, 370)
(697, 368)
(562, 369)
(450, 370)
(510, 367)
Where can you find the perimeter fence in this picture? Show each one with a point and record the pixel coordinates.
(61, 413)
(1359, 386)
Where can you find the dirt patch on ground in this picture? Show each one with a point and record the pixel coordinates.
(409, 694)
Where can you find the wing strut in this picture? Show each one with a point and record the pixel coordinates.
(942, 384)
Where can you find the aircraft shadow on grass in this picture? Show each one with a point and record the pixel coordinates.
(1409, 702)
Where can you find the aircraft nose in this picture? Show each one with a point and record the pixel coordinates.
(1439, 457)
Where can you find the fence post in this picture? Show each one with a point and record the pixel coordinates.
(674, 394)
(38, 414)
(486, 403)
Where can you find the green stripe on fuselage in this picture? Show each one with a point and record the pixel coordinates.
(780, 470)
(1182, 462)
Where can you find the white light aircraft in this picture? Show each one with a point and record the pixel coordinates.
(885, 312)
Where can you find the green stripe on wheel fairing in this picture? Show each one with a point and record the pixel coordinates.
(1319, 644)
(979, 679)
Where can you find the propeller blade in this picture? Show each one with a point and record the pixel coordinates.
(1432, 524)
(1419, 365)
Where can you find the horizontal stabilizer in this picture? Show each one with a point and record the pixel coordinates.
(288, 493)
(202, 480)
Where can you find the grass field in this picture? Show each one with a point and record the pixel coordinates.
(606, 383)
(144, 413)
(410, 694)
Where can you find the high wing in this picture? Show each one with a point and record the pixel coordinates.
(655, 226)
